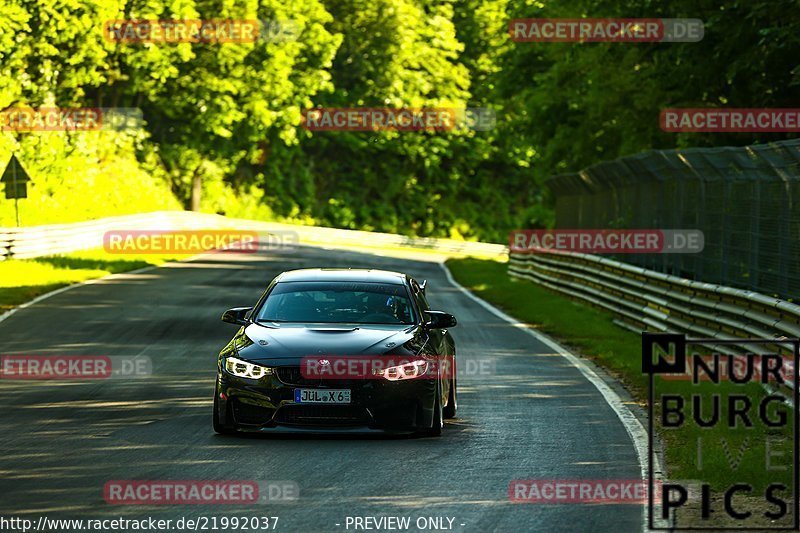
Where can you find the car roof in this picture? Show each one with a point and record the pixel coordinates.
(343, 274)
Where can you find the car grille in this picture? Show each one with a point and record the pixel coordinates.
(322, 415)
(245, 413)
(291, 375)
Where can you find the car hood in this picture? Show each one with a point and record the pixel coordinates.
(263, 344)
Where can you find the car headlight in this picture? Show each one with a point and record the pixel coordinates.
(243, 369)
(411, 370)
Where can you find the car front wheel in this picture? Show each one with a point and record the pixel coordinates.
(438, 422)
(450, 409)
(218, 427)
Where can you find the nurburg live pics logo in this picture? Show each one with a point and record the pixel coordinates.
(716, 380)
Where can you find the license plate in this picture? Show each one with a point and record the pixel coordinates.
(322, 395)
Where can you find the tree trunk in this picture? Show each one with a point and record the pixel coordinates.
(197, 188)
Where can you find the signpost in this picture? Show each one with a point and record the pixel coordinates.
(16, 181)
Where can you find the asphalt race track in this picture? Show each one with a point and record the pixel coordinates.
(532, 417)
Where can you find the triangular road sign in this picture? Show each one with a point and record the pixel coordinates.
(15, 179)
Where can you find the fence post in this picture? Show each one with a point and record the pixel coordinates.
(10, 245)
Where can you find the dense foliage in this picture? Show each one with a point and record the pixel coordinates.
(224, 119)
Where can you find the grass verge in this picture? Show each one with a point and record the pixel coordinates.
(592, 333)
(21, 280)
(587, 330)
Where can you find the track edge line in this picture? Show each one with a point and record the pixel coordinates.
(632, 424)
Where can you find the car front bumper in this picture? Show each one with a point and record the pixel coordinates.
(267, 405)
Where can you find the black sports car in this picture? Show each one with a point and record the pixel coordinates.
(344, 350)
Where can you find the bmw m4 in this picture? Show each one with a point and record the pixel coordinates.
(337, 350)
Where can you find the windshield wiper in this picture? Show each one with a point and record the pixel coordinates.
(267, 323)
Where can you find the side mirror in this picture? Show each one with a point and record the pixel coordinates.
(236, 315)
(439, 320)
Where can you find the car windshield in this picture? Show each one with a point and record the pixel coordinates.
(332, 302)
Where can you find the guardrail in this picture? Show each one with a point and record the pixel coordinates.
(333, 236)
(645, 299)
(37, 241)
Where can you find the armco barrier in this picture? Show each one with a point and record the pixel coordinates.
(36, 241)
(5, 244)
(645, 299)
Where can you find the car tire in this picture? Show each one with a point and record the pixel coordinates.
(450, 409)
(438, 421)
(218, 427)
